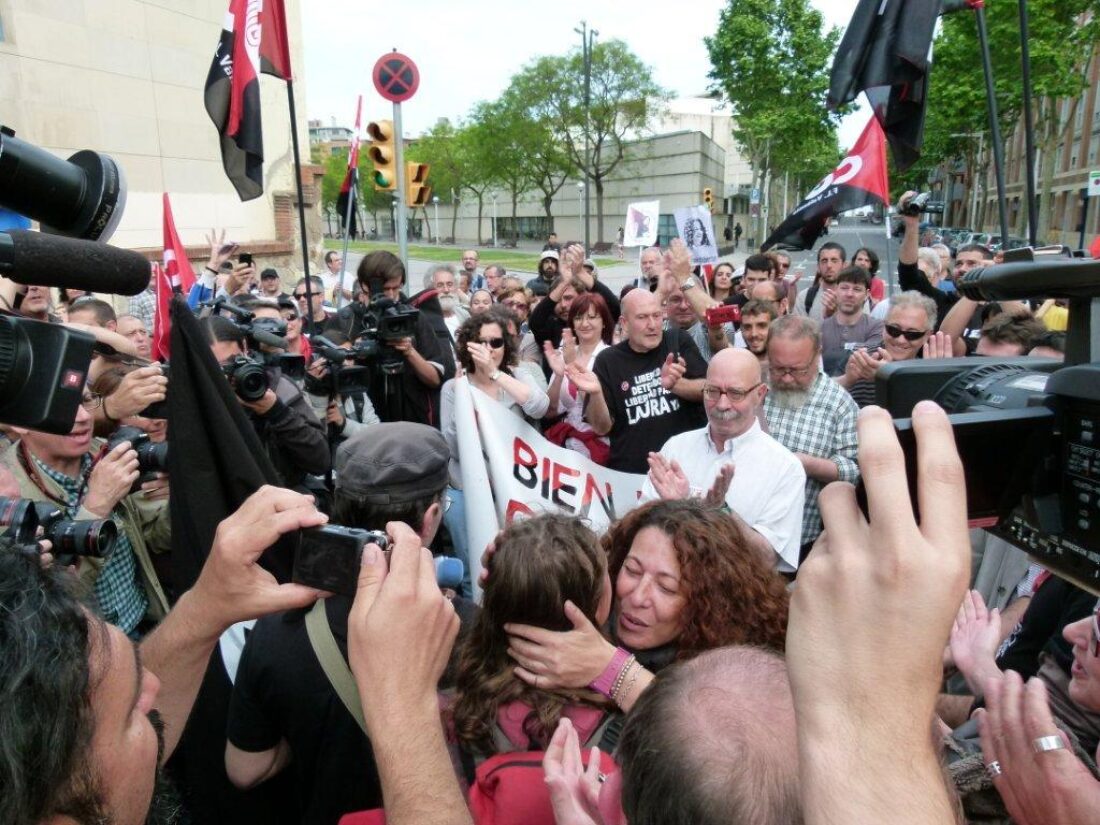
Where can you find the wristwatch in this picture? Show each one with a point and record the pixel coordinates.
(688, 284)
(496, 374)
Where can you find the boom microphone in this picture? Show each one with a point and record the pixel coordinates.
(36, 259)
(1048, 277)
(82, 197)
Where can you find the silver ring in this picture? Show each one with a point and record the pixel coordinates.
(994, 769)
(1048, 743)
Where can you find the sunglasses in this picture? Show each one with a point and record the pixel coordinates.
(495, 343)
(895, 331)
(301, 295)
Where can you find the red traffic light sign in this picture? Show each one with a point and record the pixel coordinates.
(396, 77)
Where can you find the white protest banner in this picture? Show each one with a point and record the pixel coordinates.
(696, 227)
(641, 223)
(510, 471)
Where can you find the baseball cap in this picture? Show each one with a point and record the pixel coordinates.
(549, 253)
(393, 463)
(268, 273)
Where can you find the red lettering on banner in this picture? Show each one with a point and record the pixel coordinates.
(607, 501)
(561, 487)
(516, 508)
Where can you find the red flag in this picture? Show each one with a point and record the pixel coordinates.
(253, 40)
(353, 166)
(175, 276)
(859, 180)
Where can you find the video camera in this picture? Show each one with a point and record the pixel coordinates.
(1028, 429)
(263, 334)
(378, 325)
(922, 203)
(341, 378)
(95, 538)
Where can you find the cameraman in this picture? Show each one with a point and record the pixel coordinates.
(285, 712)
(347, 414)
(408, 388)
(72, 472)
(291, 434)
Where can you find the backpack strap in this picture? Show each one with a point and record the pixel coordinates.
(332, 661)
(811, 295)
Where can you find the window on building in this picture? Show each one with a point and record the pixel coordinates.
(1080, 116)
(1094, 144)
(666, 230)
(1074, 153)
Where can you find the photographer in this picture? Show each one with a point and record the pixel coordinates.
(291, 434)
(86, 483)
(346, 414)
(285, 712)
(411, 369)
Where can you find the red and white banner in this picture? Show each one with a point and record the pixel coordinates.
(500, 452)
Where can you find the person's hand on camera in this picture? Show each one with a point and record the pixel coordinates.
(111, 480)
(1052, 787)
(240, 279)
(828, 301)
(232, 586)
(864, 656)
(136, 391)
(335, 415)
(903, 203)
(263, 405)
(403, 346)
(156, 489)
(400, 630)
(584, 380)
(552, 660)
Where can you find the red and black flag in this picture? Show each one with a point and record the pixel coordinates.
(887, 53)
(859, 180)
(253, 40)
(351, 178)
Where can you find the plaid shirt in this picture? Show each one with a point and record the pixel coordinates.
(825, 426)
(119, 596)
(144, 306)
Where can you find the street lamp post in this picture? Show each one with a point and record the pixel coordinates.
(588, 38)
(435, 203)
(494, 220)
(581, 215)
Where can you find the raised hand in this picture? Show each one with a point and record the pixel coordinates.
(584, 380)
(672, 371)
(574, 789)
(938, 345)
(111, 480)
(554, 358)
(974, 640)
(568, 346)
(716, 495)
(677, 260)
(668, 478)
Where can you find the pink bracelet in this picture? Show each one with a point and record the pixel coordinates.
(605, 680)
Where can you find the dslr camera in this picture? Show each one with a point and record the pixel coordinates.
(95, 538)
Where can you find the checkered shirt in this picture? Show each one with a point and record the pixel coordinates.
(144, 306)
(119, 596)
(825, 426)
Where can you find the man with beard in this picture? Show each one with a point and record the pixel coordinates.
(548, 271)
(733, 450)
(442, 279)
(809, 414)
(820, 299)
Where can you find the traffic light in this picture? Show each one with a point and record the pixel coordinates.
(417, 190)
(383, 154)
(708, 198)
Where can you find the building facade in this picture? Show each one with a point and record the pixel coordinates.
(126, 78)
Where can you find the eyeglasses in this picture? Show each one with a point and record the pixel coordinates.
(800, 372)
(91, 401)
(784, 266)
(301, 295)
(712, 393)
(895, 331)
(495, 343)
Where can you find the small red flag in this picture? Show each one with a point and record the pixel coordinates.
(174, 276)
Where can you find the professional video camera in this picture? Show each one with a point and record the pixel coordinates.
(1028, 429)
(379, 324)
(264, 336)
(22, 518)
(43, 367)
(340, 377)
(922, 203)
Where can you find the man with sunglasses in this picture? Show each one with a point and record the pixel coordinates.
(809, 414)
(76, 474)
(766, 483)
(320, 314)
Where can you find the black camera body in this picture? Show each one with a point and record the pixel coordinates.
(340, 377)
(922, 203)
(329, 557)
(152, 458)
(247, 377)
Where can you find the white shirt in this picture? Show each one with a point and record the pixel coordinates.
(768, 488)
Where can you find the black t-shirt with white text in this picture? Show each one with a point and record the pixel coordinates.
(644, 414)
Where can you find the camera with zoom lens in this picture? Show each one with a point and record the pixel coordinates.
(340, 377)
(152, 458)
(95, 538)
(247, 377)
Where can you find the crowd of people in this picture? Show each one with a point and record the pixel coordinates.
(741, 645)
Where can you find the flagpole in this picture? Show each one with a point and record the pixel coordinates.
(994, 126)
(352, 196)
(301, 202)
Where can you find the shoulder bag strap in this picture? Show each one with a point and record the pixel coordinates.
(332, 661)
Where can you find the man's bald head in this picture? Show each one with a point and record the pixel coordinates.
(732, 394)
(643, 320)
(734, 364)
(713, 741)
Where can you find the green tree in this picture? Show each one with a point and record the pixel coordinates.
(444, 149)
(771, 59)
(622, 100)
(369, 200)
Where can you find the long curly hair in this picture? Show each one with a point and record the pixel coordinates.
(539, 563)
(732, 594)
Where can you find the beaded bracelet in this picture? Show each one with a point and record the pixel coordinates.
(631, 664)
(624, 689)
(602, 683)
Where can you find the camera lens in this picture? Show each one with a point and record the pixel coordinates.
(153, 457)
(94, 537)
(20, 517)
(249, 381)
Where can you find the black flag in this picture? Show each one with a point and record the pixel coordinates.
(886, 52)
